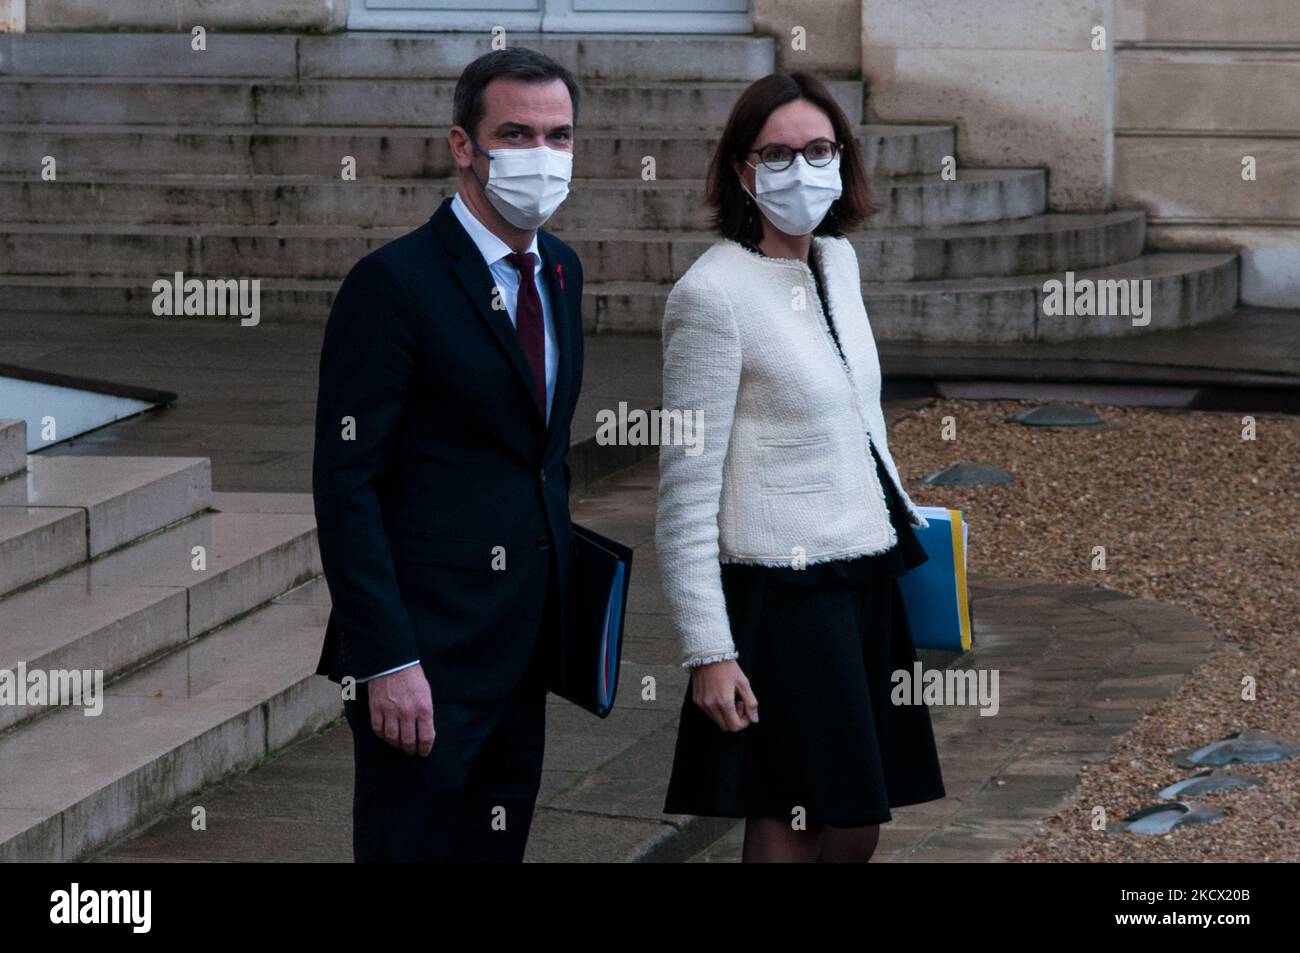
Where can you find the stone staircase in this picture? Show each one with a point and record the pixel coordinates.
(226, 164)
(205, 671)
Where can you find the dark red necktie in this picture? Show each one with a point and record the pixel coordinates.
(529, 325)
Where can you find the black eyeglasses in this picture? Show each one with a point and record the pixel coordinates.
(778, 157)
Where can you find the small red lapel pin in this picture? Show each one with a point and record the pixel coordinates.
(559, 273)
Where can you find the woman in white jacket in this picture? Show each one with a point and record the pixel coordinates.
(782, 528)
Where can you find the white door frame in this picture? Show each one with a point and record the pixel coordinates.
(552, 16)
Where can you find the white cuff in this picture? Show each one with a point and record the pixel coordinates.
(389, 672)
(709, 659)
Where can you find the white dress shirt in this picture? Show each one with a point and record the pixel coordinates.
(505, 277)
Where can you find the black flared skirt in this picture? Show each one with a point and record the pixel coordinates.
(819, 647)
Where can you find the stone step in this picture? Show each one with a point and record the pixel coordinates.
(1036, 244)
(418, 152)
(1190, 288)
(1020, 246)
(287, 301)
(146, 599)
(13, 448)
(213, 708)
(592, 56)
(120, 499)
(1187, 289)
(977, 195)
(352, 102)
(37, 541)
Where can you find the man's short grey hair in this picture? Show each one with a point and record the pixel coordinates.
(515, 62)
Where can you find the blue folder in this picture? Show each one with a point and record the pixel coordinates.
(935, 593)
(584, 669)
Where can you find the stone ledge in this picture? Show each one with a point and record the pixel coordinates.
(324, 16)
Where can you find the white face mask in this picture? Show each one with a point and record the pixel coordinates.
(796, 199)
(527, 185)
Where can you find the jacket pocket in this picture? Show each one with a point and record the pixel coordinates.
(794, 464)
(807, 523)
(809, 441)
(432, 550)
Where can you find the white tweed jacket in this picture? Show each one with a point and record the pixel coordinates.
(782, 472)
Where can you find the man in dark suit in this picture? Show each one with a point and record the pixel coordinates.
(449, 372)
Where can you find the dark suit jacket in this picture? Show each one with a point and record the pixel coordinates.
(450, 460)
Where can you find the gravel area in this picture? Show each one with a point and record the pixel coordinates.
(1190, 514)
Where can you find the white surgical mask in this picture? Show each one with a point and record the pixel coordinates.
(527, 185)
(796, 199)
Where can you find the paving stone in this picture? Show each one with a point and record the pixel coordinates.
(968, 473)
(589, 838)
(1057, 414)
(242, 839)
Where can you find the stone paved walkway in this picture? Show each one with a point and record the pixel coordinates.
(1249, 345)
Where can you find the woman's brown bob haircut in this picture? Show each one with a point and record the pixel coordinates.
(734, 214)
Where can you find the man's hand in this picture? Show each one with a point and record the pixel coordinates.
(401, 710)
(715, 687)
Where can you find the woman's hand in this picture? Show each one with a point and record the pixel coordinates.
(722, 690)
